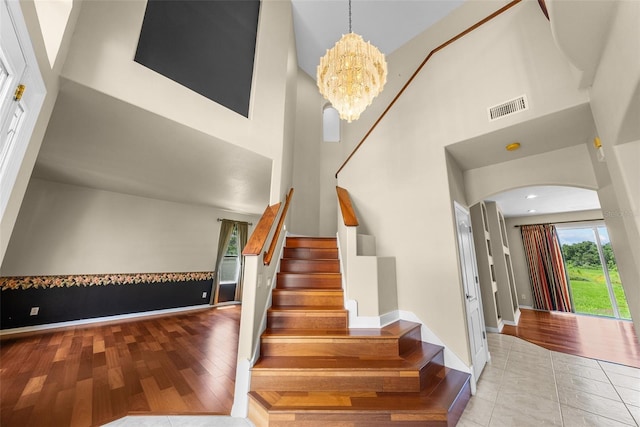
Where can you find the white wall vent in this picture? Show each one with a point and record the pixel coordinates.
(510, 107)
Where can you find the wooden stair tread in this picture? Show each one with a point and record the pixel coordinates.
(438, 399)
(420, 357)
(307, 308)
(394, 330)
(371, 334)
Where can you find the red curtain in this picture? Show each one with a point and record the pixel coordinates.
(546, 267)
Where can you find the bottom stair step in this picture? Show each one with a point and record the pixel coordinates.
(410, 373)
(441, 404)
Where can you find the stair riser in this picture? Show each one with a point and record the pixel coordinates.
(307, 322)
(303, 281)
(302, 242)
(284, 298)
(262, 418)
(434, 369)
(337, 381)
(410, 340)
(330, 348)
(309, 266)
(310, 253)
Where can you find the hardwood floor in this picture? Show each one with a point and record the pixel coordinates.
(588, 336)
(183, 364)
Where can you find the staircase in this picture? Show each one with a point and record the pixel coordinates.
(315, 371)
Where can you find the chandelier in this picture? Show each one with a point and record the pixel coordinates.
(351, 74)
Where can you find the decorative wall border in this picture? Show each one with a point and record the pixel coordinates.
(67, 281)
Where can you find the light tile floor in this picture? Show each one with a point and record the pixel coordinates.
(524, 385)
(527, 385)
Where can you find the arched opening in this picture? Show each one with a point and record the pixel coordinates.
(330, 124)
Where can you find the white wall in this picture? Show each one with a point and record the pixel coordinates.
(399, 179)
(66, 229)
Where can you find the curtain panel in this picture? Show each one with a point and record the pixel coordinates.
(546, 267)
(243, 234)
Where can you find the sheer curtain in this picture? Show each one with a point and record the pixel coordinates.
(243, 234)
(546, 267)
(226, 229)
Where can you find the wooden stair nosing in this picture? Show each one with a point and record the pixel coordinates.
(441, 399)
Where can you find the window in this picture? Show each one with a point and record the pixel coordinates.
(592, 271)
(230, 268)
(330, 124)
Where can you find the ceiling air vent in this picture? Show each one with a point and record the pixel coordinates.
(510, 107)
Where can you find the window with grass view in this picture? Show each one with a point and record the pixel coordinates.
(591, 267)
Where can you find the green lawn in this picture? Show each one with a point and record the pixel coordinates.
(590, 295)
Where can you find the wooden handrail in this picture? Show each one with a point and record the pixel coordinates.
(442, 46)
(348, 213)
(261, 233)
(274, 241)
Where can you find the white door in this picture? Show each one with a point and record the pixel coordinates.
(475, 317)
(18, 109)
(12, 67)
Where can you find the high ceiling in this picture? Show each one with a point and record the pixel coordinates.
(134, 151)
(97, 141)
(387, 24)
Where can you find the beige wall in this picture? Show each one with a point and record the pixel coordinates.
(570, 167)
(101, 40)
(305, 211)
(615, 105)
(66, 229)
(399, 179)
(100, 57)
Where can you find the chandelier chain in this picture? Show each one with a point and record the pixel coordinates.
(350, 17)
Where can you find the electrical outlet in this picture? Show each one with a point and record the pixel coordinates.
(524, 296)
(204, 295)
(34, 311)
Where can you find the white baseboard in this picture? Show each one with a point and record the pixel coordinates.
(451, 360)
(105, 319)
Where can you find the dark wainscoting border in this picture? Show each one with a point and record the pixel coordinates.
(87, 297)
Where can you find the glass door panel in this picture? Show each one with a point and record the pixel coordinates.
(614, 276)
(592, 272)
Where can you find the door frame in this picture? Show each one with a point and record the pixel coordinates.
(476, 368)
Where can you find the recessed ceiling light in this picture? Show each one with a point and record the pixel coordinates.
(513, 146)
(531, 196)
(531, 210)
